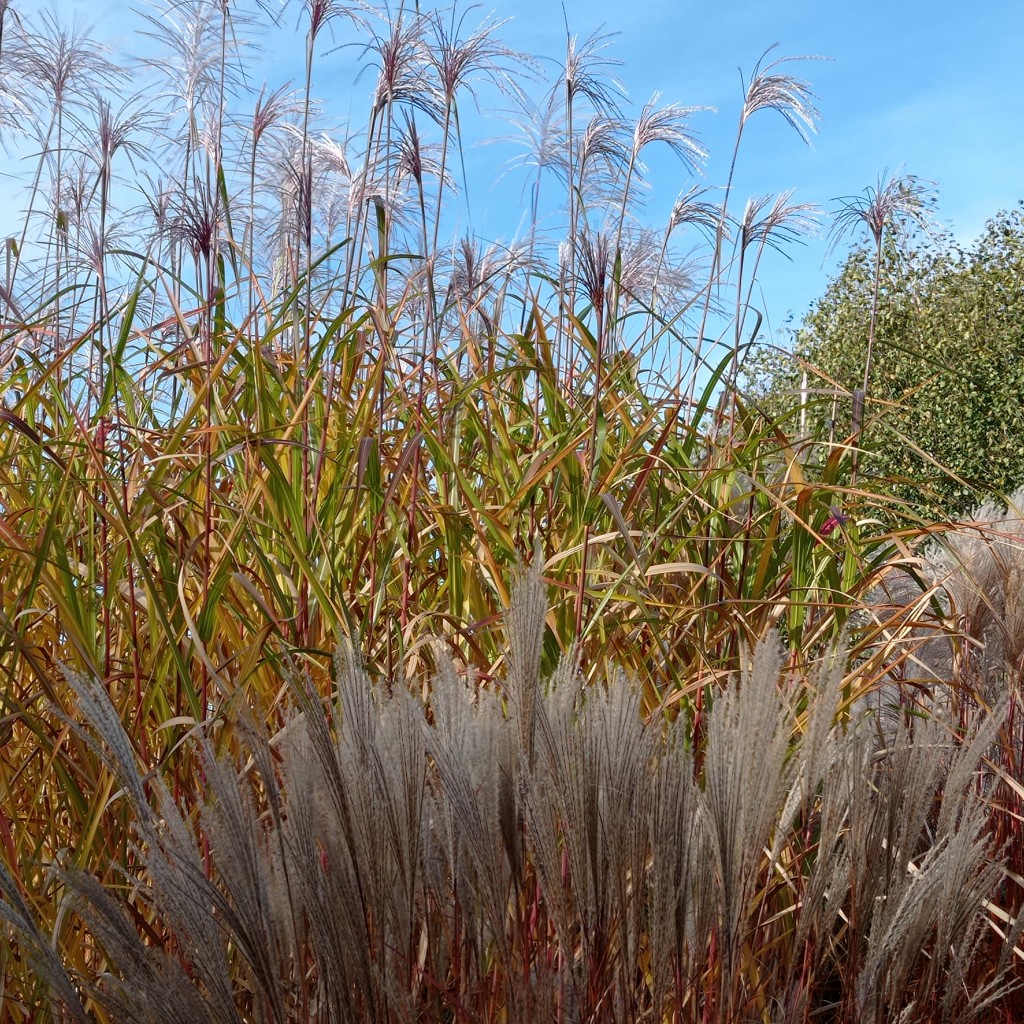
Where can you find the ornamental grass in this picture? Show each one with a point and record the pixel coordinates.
(265, 400)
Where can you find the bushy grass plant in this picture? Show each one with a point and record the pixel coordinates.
(540, 853)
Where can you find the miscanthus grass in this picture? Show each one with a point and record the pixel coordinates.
(263, 397)
(540, 852)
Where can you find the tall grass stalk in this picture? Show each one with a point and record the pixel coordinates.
(892, 205)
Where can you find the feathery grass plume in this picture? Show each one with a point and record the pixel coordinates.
(526, 624)
(601, 154)
(586, 89)
(540, 134)
(151, 984)
(747, 775)
(585, 807)
(327, 890)
(51, 980)
(111, 742)
(956, 611)
(768, 88)
(978, 566)
(472, 747)
(667, 124)
(930, 899)
(12, 100)
(461, 62)
(617, 758)
(679, 877)
(964, 605)
(767, 222)
(894, 203)
(885, 839)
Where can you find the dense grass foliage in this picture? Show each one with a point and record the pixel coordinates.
(272, 410)
(386, 859)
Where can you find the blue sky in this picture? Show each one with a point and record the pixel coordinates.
(930, 89)
(926, 88)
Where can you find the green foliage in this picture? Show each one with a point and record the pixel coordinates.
(944, 421)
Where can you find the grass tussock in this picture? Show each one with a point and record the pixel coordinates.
(552, 856)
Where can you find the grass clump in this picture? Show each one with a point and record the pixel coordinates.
(551, 856)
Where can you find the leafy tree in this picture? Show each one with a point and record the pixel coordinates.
(944, 418)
